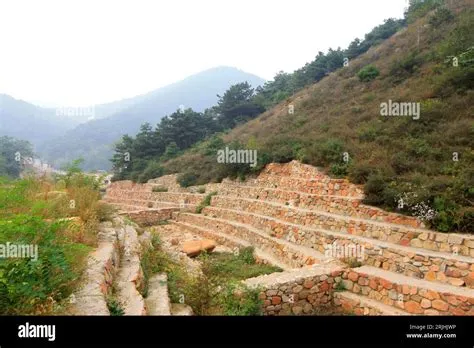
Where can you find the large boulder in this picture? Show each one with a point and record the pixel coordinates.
(195, 247)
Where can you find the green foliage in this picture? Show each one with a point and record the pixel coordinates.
(14, 154)
(368, 73)
(339, 287)
(33, 286)
(339, 170)
(419, 8)
(205, 202)
(406, 67)
(153, 170)
(237, 105)
(115, 307)
(441, 16)
(239, 300)
(187, 179)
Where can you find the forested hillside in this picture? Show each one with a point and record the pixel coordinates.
(419, 164)
(94, 140)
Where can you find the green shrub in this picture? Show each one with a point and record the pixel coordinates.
(339, 170)
(441, 16)
(115, 307)
(368, 73)
(246, 255)
(35, 286)
(404, 68)
(359, 172)
(187, 179)
(239, 300)
(153, 170)
(205, 202)
(105, 212)
(374, 188)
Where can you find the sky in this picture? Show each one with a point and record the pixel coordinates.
(86, 52)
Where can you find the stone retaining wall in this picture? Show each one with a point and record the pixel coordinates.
(412, 299)
(286, 253)
(150, 217)
(332, 204)
(303, 292)
(436, 241)
(458, 270)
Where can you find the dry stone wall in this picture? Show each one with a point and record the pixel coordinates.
(306, 291)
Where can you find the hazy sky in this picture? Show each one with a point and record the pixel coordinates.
(94, 51)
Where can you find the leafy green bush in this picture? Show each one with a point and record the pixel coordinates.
(374, 189)
(368, 73)
(404, 68)
(339, 170)
(441, 16)
(187, 179)
(239, 300)
(153, 170)
(37, 286)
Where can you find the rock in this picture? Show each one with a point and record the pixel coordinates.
(413, 307)
(297, 310)
(174, 241)
(425, 303)
(195, 247)
(440, 305)
(429, 294)
(455, 239)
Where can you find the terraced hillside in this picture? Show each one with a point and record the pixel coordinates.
(336, 252)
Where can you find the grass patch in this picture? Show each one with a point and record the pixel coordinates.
(205, 202)
(34, 212)
(229, 267)
(217, 291)
(115, 307)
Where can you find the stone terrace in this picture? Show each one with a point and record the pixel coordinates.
(291, 214)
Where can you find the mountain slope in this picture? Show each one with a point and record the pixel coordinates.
(94, 140)
(414, 164)
(26, 121)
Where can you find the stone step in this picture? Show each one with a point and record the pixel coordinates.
(232, 242)
(157, 301)
(326, 186)
(148, 204)
(126, 207)
(415, 296)
(351, 303)
(432, 265)
(288, 253)
(174, 197)
(341, 205)
(399, 234)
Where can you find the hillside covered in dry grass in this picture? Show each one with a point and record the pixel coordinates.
(419, 165)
